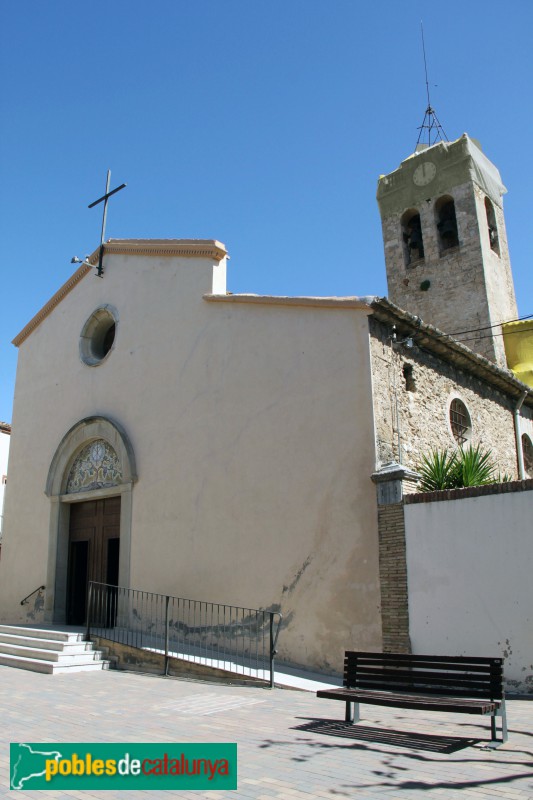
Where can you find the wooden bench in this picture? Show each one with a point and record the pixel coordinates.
(457, 684)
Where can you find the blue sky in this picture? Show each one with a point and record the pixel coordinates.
(262, 124)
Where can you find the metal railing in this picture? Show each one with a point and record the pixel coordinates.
(39, 589)
(235, 639)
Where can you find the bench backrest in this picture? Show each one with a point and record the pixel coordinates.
(460, 676)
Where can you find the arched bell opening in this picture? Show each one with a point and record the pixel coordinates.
(413, 243)
(492, 227)
(446, 220)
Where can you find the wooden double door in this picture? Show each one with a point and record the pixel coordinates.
(94, 546)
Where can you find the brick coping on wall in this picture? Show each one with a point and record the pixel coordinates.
(471, 491)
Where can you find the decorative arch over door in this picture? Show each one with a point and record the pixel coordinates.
(94, 462)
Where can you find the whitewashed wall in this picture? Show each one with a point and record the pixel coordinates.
(254, 445)
(470, 574)
(4, 454)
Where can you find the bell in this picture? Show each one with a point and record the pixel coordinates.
(448, 229)
(415, 240)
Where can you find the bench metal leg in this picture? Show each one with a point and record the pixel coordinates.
(495, 742)
(352, 712)
(504, 722)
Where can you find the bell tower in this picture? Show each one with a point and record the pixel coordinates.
(446, 250)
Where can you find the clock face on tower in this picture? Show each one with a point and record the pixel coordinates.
(424, 173)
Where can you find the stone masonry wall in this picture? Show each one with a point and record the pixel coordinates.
(456, 299)
(498, 276)
(417, 418)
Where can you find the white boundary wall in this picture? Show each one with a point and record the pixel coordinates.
(470, 574)
(4, 454)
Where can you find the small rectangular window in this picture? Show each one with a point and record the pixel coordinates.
(408, 374)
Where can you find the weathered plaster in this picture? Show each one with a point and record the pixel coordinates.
(252, 430)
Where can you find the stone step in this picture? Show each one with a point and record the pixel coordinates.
(47, 650)
(49, 667)
(27, 650)
(75, 646)
(42, 633)
(97, 665)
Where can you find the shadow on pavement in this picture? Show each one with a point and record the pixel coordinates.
(414, 741)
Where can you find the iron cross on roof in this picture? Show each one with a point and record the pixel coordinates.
(105, 197)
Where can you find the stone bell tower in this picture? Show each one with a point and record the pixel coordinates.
(445, 243)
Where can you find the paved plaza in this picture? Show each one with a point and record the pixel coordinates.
(291, 745)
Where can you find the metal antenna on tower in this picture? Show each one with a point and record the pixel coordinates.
(430, 123)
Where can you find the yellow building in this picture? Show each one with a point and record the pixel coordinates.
(518, 340)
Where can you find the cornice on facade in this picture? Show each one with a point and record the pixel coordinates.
(182, 248)
(5, 427)
(276, 300)
(54, 301)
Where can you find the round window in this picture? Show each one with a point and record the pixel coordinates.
(460, 421)
(98, 336)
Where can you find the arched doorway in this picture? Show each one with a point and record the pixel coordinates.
(94, 525)
(90, 487)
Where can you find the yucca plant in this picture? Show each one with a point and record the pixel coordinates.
(504, 478)
(476, 466)
(439, 470)
(470, 466)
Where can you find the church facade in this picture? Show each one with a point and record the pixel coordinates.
(173, 437)
(5, 432)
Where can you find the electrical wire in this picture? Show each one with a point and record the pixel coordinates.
(493, 335)
(487, 327)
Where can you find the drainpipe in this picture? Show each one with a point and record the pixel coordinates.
(519, 453)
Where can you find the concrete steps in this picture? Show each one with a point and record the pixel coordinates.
(47, 650)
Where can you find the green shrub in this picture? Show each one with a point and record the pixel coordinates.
(470, 466)
(439, 470)
(477, 467)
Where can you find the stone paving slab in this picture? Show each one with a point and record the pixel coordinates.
(291, 745)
